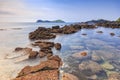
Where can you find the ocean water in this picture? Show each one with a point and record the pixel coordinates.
(101, 48)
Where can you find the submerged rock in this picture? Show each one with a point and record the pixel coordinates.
(90, 68)
(107, 65)
(114, 76)
(99, 31)
(81, 55)
(84, 34)
(112, 34)
(67, 76)
(96, 58)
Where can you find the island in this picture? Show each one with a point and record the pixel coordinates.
(48, 21)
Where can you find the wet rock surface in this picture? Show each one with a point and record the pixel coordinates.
(114, 76)
(58, 46)
(90, 68)
(67, 76)
(46, 70)
(39, 72)
(42, 75)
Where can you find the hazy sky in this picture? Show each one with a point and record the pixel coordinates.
(68, 10)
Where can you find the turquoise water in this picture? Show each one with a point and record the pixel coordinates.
(101, 45)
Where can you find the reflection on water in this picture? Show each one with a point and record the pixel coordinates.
(103, 51)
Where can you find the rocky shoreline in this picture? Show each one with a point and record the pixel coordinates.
(50, 69)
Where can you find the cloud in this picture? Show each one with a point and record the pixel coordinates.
(13, 10)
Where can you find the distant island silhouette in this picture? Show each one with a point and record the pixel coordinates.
(48, 21)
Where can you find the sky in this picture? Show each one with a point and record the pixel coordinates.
(67, 10)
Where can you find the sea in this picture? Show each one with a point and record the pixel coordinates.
(103, 50)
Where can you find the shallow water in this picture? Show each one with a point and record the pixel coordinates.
(103, 45)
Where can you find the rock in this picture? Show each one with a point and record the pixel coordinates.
(107, 65)
(93, 77)
(42, 75)
(56, 58)
(80, 55)
(112, 34)
(67, 76)
(104, 54)
(55, 27)
(43, 44)
(58, 46)
(114, 76)
(56, 30)
(33, 54)
(90, 67)
(45, 65)
(25, 50)
(49, 55)
(42, 54)
(41, 33)
(18, 49)
(96, 58)
(99, 31)
(47, 50)
(69, 29)
(84, 34)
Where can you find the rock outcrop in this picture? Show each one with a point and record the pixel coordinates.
(46, 70)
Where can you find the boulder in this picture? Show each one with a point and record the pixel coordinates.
(81, 55)
(107, 65)
(96, 58)
(112, 34)
(43, 44)
(58, 46)
(90, 68)
(99, 31)
(33, 54)
(25, 50)
(18, 49)
(43, 66)
(56, 58)
(84, 34)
